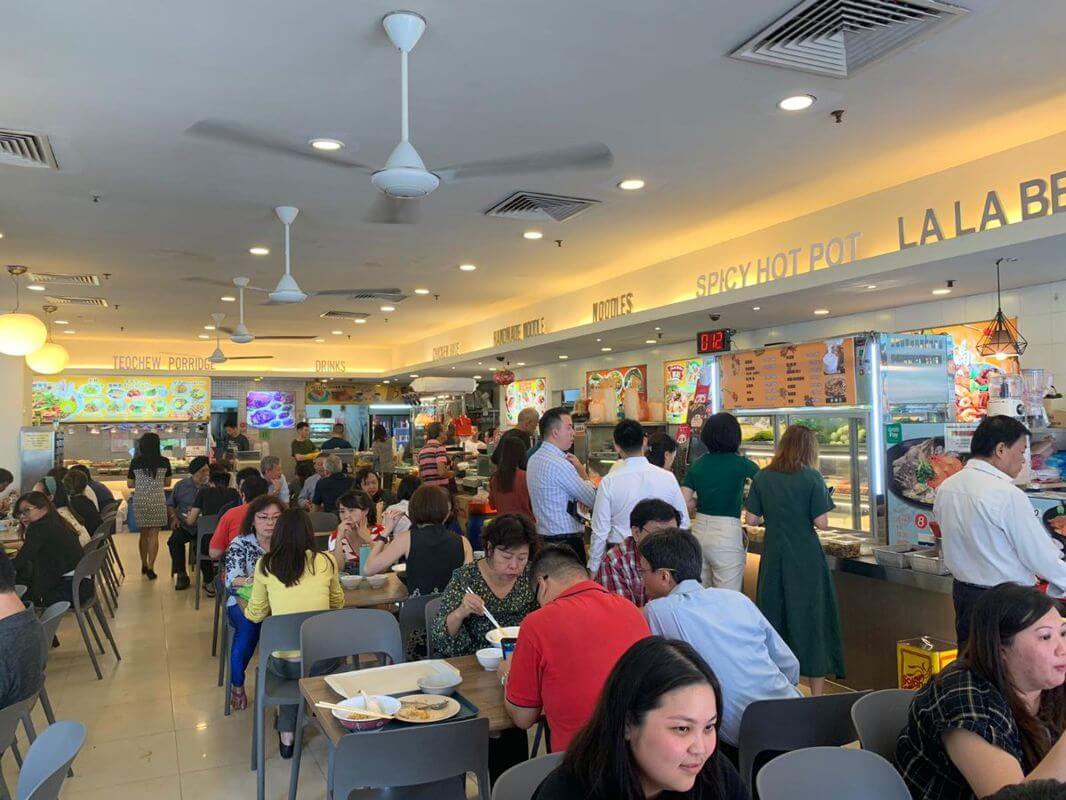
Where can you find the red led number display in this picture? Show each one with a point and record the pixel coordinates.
(712, 341)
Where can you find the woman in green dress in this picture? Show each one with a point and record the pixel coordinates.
(795, 590)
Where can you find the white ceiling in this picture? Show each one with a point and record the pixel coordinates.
(116, 83)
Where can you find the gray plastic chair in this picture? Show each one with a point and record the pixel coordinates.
(10, 717)
(432, 607)
(20, 590)
(205, 529)
(420, 761)
(340, 634)
(50, 620)
(108, 590)
(48, 761)
(87, 570)
(281, 632)
(324, 521)
(792, 724)
(521, 780)
(108, 514)
(831, 773)
(413, 619)
(879, 718)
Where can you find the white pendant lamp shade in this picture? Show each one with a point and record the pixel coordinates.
(48, 359)
(21, 334)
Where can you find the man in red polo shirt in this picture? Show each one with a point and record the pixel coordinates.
(568, 647)
(229, 525)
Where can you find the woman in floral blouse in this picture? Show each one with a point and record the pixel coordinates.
(498, 582)
(241, 557)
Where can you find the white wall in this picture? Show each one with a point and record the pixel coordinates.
(1040, 310)
(14, 389)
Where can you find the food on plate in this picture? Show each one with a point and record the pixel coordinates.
(197, 394)
(132, 393)
(180, 403)
(1058, 524)
(263, 416)
(411, 712)
(924, 466)
(181, 388)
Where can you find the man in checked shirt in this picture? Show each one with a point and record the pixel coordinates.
(620, 570)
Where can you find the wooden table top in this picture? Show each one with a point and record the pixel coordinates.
(481, 687)
(393, 591)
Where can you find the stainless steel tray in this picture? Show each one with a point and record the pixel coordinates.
(893, 555)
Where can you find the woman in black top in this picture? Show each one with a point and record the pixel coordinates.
(50, 550)
(366, 480)
(654, 733)
(432, 551)
(75, 482)
(996, 716)
(149, 477)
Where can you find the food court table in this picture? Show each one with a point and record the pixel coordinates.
(480, 687)
(392, 592)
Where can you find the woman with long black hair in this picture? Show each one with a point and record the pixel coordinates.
(654, 733)
(49, 553)
(508, 492)
(996, 716)
(149, 477)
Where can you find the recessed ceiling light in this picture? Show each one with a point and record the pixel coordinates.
(599, 340)
(871, 286)
(327, 144)
(257, 380)
(477, 377)
(649, 341)
(337, 333)
(35, 287)
(360, 321)
(421, 291)
(388, 308)
(520, 364)
(413, 375)
(942, 290)
(533, 235)
(203, 336)
(1, 236)
(61, 322)
(228, 298)
(658, 328)
(493, 369)
(797, 102)
(468, 267)
(70, 333)
(209, 327)
(605, 349)
(821, 312)
(320, 341)
(631, 184)
(563, 358)
(386, 381)
(756, 308)
(259, 251)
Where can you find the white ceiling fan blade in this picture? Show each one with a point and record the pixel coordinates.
(259, 338)
(585, 156)
(217, 282)
(393, 211)
(223, 132)
(246, 358)
(391, 293)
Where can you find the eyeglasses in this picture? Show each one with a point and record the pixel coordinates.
(268, 517)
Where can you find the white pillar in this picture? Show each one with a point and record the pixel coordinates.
(14, 409)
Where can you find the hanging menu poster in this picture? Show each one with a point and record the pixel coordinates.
(620, 378)
(811, 374)
(686, 394)
(121, 399)
(530, 393)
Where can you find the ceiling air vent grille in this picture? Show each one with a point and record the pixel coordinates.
(26, 149)
(87, 302)
(66, 280)
(393, 295)
(344, 315)
(534, 207)
(838, 37)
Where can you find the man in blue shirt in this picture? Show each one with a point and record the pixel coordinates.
(181, 500)
(337, 440)
(751, 660)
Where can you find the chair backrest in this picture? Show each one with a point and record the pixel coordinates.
(432, 607)
(281, 632)
(45, 766)
(831, 773)
(10, 717)
(20, 590)
(414, 755)
(349, 632)
(793, 724)
(105, 528)
(90, 564)
(96, 542)
(110, 510)
(205, 526)
(879, 717)
(323, 521)
(520, 781)
(413, 618)
(50, 619)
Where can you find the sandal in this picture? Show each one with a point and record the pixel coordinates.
(238, 700)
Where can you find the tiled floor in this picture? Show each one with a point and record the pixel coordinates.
(155, 723)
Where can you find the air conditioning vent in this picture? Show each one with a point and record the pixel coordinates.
(534, 207)
(393, 295)
(65, 280)
(344, 315)
(26, 149)
(88, 302)
(838, 37)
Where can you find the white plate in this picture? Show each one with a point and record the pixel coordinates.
(494, 635)
(389, 680)
(450, 710)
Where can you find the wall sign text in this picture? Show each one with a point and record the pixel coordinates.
(173, 363)
(446, 351)
(612, 307)
(519, 332)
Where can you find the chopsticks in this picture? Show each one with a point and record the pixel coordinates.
(488, 614)
(361, 712)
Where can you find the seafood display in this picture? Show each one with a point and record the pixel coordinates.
(131, 399)
(271, 409)
(922, 467)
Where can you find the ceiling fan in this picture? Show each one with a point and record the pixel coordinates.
(241, 334)
(218, 357)
(289, 291)
(405, 176)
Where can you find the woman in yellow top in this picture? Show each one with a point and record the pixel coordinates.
(291, 577)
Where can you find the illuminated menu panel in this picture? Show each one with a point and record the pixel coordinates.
(812, 374)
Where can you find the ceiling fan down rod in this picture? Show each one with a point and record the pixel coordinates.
(404, 116)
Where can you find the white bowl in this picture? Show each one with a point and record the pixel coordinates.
(388, 705)
(376, 581)
(508, 633)
(351, 581)
(399, 569)
(489, 658)
(439, 684)
(479, 554)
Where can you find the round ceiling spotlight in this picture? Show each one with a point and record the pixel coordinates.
(421, 291)
(35, 287)
(631, 184)
(467, 267)
(329, 145)
(228, 298)
(387, 309)
(533, 235)
(337, 333)
(821, 312)
(259, 251)
(797, 102)
(360, 321)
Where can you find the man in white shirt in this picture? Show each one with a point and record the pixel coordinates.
(271, 469)
(751, 660)
(623, 488)
(990, 533)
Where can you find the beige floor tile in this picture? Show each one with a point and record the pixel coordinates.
(168, 788)
(238, 781)
(120, 720)
(124, 761)
(201, 708)
(222, 743)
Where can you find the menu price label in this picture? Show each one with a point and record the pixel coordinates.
(812, 374)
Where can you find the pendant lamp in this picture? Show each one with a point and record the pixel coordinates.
(20, 333)
(50, 358)
(1001, 338)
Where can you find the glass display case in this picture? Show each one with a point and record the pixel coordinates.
(599, 454)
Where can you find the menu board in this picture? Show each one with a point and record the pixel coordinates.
(271, 409)
(341, 392)
(532, 393)
(100, 398)
(635, 377)
(811, 375)
(687, 394)
(971, 369)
